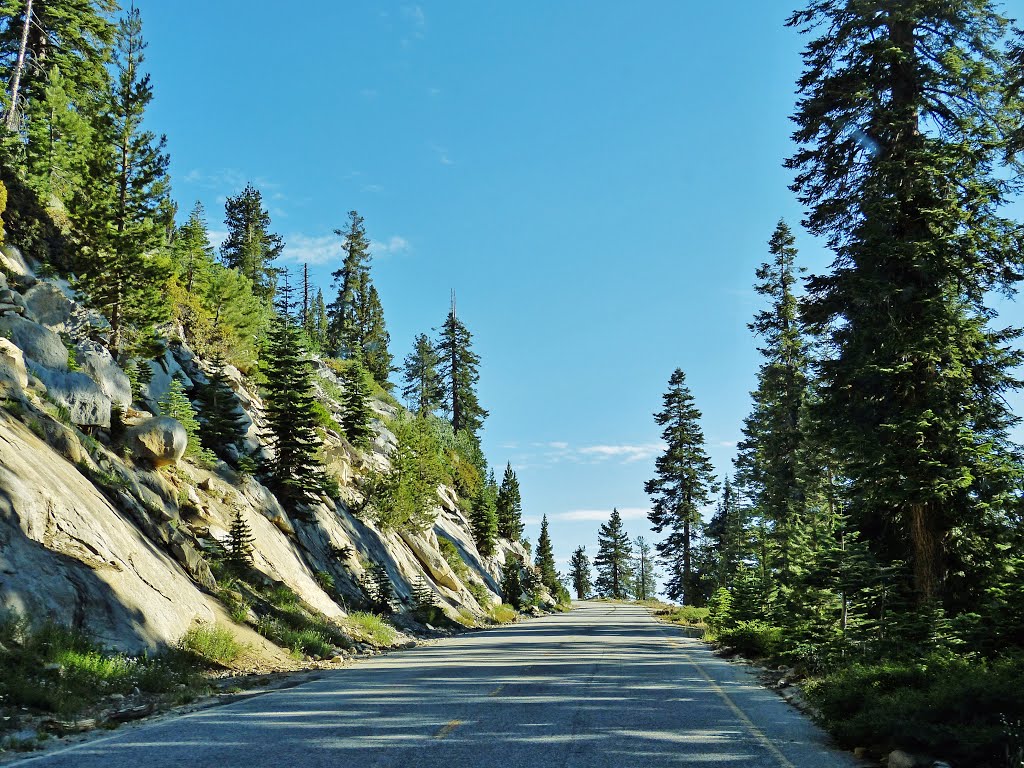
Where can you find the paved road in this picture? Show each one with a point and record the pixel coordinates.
(603, 686)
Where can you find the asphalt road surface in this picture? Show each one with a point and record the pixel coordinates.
(602, 686)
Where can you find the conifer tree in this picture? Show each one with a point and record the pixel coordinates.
(295, 473)
(544, 558)
(239, 544)
(579, 573)
(510, 506)
(121, 219)
(423, 389)
(899, 128)
(484, 518)
(511, 581)
(355, 404)
(343, 332)
(177, 405)
(250, 246)
(613, 559)
(768, 460)
(644, 582)
(682, 487)
(319, 320)
(373, 334)
(193, 251)
(59, 135)
(459, 376)
(727, 538)
(223, 421)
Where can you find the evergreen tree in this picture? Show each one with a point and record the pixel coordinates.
(510, 506)
(295, 471)
(319, 321)
(580, 573)
(177, 405)
(544, 559)
(459, 376)
(61, 80)
(121, 220)
(727, 538)
(239, 544)
(192, 250)
(645, 577)
(355, 404)
(899, 129)
(223, 420)
(423, 389)
(511, 581)
(250, 246)
(343, 331)
(484, 518)
(405, 498)
(613, 559)
(768, 461)
(683, 486)
(373, 335)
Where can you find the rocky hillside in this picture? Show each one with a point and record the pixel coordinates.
(105, 525)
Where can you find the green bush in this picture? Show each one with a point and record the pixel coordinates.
(371, 628)
(211, 643)
(756, 639)
(960, 708)
(453, 557)
(503, 613)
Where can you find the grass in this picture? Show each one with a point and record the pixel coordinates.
(453, 557)
(684, 615)
(212, 644)
(371, 628)
(502, 614)
(52, 668)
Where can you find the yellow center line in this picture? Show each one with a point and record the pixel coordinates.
(447, 728)
(497, 690)
(754, 731)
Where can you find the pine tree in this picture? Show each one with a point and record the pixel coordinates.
(727, 538)
(899, 129)
(373, 335)
(120, 220)
(61, 80)
(223, 421)
(459, 372)
(295, 473)
(484, 518)
(768, 461)
(645, 577)
(355, 404)
(511, 581)
(683, 486)
(343, 332)
(192, 250)
(423, 389)
(177, 405)
(613, 559)
(580, 573)
(250, 246)
(510, 507)
(380, 590)
(544, 558)
(319, 321)
(239, 543)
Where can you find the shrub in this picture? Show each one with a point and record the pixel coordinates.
(479, 592)
(502, 613)
(961, 708)
(211, 643)
(371, 628)
(756, 639)
(453, 557)
(325, 580)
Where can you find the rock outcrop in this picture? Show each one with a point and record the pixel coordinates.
(158, 441)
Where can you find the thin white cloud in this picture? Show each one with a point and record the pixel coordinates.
(391, 247)
(231, 179)
(627, 453)
(602, 515)
(217, 236)
(303, 249)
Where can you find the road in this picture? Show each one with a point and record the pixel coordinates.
(603, 686)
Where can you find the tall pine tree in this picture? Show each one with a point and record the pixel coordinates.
(612, 562)
(579, 573)
(423, 390)
(510, 506)
(544, 558)
(343, 334)
(682, 487)
(250, 246)
(899, 128)
(459, 375)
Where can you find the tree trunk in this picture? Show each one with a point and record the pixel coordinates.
(12, 112)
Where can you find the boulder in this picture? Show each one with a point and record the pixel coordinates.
(429, 555)
(87, 404)
(37, 342)
(49, 305)
(900, 759)
(158, 441)
(13, 375)
(95, 360)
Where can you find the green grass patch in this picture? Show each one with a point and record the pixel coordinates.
(502, 613)
(212, 644)
(685, 615)
(371, 628)
(453, 557)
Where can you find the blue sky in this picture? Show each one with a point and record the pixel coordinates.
(597, 181)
